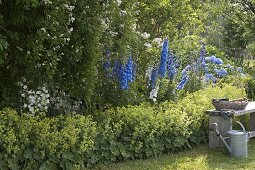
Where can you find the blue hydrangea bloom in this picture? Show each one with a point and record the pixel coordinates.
(129, 69)
(214, 60)
(218, 61)
(154, 74)
(163, 59)
(208, 77)
(221, 72)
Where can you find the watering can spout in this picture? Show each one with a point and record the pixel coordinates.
(214, 126)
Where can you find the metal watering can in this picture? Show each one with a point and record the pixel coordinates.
(238, 140)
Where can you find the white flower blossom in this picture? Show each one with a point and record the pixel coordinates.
(72, 19)
(154, 93)
(38, 92)
(158, 41)
(148, 45)
(70, 30)
(119, 2)
(145, 35)
(123, 12)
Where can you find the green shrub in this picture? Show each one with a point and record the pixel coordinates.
(76, 141)
(144, 131)
(45, 143)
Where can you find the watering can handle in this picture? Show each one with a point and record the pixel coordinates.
(241, 125)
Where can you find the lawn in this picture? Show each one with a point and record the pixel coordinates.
(198, 158)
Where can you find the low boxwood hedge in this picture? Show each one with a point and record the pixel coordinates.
(78, 141)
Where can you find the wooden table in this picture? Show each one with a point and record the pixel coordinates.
(224, 121)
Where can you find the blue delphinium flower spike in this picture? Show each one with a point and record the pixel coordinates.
(163, 59)
(129, 69)
(123, 78)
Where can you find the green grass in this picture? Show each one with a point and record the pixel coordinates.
(198, 158)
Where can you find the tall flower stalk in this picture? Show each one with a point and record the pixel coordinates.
(129, 69)
(163, 59)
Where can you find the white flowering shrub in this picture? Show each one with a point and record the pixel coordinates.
(40, 100)
(34, 101)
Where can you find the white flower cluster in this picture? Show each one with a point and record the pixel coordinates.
(145, 35)
(147, 45)
(69, 7)
(119, 2)
(123, 12)
(34, 101)
(154, 93)
(158, 41)
(105, 23)
(46, 2)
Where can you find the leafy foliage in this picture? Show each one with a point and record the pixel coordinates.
(76, 141)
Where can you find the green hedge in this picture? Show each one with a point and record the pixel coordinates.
(77, 141)
(45, 143)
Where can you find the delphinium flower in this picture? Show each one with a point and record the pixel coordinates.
(163, 59)
(123, 78)
(154, 74)
(202, 56)
(107, 65)
(129, 69)
(171, 67)
(184, 80)
(187, 68)
(115, 70)
(221, 72)
(202, 52)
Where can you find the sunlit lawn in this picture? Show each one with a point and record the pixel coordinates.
(198, 158)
